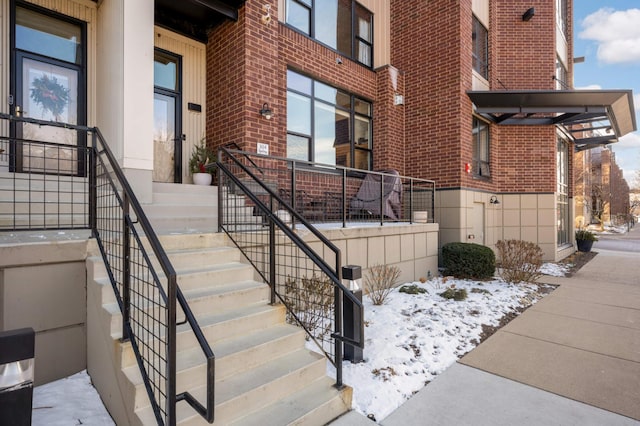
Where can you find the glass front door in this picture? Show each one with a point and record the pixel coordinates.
(48, 85)
(167, 131)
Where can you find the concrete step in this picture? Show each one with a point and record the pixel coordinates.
(317, 404)
(277, 378)
(233, 357)
(52, 221)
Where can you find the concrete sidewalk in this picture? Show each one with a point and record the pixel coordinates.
(571, 359)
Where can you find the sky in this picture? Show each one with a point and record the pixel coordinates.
(607, 34)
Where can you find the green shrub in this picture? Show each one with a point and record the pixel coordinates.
(412, 289)
(583, 234)
(468, 260)
(520, 261)
(456, 294)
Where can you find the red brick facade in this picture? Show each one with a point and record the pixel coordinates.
(431, 66)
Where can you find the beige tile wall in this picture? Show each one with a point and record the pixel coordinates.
(412, 248)
(43, 286)
(529, 217)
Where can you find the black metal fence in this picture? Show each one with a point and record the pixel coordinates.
(332, 194)
(306, 280)
(82, 186)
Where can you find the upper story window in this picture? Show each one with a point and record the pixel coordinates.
(342, 25)
(480, 39)
(480, 135)
(561, 76)
(561, 16)
(327, 125)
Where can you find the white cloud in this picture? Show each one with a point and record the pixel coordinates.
(590, 87)
(616, 32)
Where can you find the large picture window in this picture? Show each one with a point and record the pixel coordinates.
(480, 40)
(562, 164)
(480, 134)
(327, 125)
(342, 25)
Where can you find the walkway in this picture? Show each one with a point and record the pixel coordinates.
(571, 359)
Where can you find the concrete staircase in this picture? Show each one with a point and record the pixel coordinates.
(264, 374)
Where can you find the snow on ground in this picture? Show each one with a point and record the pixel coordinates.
(555, 269)
(409, 341)
(412, 338)
(67, 402)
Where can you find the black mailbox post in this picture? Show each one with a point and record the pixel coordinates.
(352, 319)
(16, 376)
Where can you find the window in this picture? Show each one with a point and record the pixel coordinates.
(327, 125)
(561, 16)
(480, 148)
(342, 25)
(561, 76)
(563, 192)
(480, 40)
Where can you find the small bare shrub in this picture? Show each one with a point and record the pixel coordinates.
(520, 260)
(311, 302)
(379, 281)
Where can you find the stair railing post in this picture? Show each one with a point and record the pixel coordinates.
(93, 185)
(381, 199)
(337, 312)
(293, 193)
(272, 254)
(172, 294)
(344, 198)
(411, 200)
(126, 267)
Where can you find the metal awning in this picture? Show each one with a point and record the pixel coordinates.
(193, 18)
(591, 117)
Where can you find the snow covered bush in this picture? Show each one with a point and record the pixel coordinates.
(520, 261)
(379, 281)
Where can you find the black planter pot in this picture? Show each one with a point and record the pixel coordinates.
(584, 245)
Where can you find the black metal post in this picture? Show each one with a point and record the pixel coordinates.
(172, 290)
(410, 200)
(126, 267)
(16, 376)
(353, 327)
(272, 255)
(220, 189)
(344, 198)
(93, 185)
(293, 193)
(381, 199)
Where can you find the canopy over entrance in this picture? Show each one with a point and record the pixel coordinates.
(193, 18)
(590, 117)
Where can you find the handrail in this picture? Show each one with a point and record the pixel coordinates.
(334, 275)
(338, 199)
(175, 293)
(120, 244)
(236, 147)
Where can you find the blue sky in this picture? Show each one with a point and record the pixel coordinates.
(607, 34)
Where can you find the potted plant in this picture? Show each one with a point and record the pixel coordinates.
(585, 239)
(200, 164)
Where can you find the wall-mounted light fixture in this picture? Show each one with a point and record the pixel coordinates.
(266, 18)
(528, 14)
(494, 200)
(266, 111)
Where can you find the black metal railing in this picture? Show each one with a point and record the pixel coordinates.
(328, 194)
(306, 280)
(148, 296)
